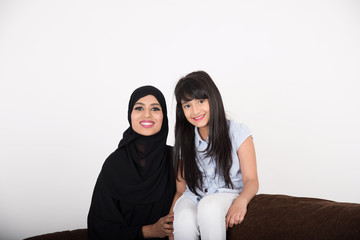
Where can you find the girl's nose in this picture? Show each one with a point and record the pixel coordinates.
(195, 109)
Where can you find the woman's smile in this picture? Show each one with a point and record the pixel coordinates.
(147, 116)
(147, 124)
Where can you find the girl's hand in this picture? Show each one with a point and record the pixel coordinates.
(163, 227)
(236, 212)
(247, 159)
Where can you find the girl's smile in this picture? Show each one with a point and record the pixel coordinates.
(199, 118)
(197, 112)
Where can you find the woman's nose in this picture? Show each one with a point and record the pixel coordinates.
(147, 113)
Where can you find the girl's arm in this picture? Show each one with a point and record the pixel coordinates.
(180, 188)
(247, 158)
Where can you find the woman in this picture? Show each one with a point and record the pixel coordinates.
(215, 158)
(135, 188)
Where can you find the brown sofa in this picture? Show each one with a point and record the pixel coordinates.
(278, 217)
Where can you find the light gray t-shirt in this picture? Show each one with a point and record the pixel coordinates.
(214, 183)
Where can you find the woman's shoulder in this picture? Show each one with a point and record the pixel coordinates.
(170, 151)
(112, 161)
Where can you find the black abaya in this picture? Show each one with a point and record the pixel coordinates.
(136, 184)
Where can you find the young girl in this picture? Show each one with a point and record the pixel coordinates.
(215, 160)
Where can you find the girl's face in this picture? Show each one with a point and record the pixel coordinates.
(197, 112)
(147, 116)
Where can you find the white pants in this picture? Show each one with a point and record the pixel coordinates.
(206, 219)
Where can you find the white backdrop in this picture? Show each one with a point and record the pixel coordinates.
(290, 70)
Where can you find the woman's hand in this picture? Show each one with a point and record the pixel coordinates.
(162, 228)
(236, 212)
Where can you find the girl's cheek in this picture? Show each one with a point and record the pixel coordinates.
(188, 119)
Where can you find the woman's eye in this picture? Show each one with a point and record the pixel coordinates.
(156, 109)
(201, 101)
(138, 108)
(186, 106)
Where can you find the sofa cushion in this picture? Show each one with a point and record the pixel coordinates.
(78, 234)
(287, 217)
(278, 217)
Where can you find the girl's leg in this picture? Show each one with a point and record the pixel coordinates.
(185, 225)
(212, 210)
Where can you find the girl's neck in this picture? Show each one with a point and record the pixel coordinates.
(204, 132)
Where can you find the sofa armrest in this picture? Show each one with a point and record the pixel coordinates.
(287, 217)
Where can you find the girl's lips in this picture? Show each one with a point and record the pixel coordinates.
(147, 124)
(199, 118)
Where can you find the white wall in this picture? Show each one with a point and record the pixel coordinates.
(290, 70)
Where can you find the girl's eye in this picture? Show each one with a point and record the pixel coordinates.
(139, 108)
(156, 109)
(201, 101)
(186, 106)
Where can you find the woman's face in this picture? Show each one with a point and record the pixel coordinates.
(197, 112)
(147, 116)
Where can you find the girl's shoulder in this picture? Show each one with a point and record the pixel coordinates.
(237, 126)
(238, 132)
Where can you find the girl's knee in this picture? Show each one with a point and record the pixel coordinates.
(185, 211)
(185, 223)
(210, 209)
(184, 214)
(209, 204)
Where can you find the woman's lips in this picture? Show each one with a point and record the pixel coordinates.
(147, 124)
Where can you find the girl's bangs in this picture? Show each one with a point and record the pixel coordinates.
(191, 91)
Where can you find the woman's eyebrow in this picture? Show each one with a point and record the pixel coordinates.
(143, 104)
(139, 103)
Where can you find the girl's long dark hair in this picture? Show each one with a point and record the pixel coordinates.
(199, 85)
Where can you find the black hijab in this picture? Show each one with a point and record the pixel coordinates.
(136, 184)
(136, 172)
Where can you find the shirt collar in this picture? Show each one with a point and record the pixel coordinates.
(198, 139)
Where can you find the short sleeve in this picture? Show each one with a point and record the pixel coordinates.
(239, 133)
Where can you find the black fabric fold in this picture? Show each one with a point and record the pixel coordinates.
(136, 184)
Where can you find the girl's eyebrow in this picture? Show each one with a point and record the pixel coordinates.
(184, 102)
